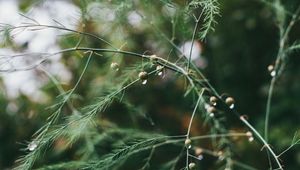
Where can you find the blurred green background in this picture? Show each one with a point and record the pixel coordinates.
(237, 54)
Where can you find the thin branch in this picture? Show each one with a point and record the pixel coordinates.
(263, 141)
(193, 39)
(278, 68)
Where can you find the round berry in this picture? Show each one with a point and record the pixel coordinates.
(229, 101)
(211, 109)
(143, 75)
(192, 165)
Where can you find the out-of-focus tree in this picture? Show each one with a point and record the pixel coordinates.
(149, 84)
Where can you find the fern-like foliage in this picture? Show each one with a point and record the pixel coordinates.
(210, 9)
(99, 143)
(120, 155)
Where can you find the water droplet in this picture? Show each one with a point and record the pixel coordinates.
(211, 114)
(189, 146)
(273, 73)
(32, 146)
(144, 82)
(231, 106)
(214, 103)
(251, 139)
(160, 73)
(200, 157)
(159, 69)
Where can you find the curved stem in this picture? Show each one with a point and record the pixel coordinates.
(268, 108)
(193, 115)
(263, 141)
(193, 39)
(278, 66)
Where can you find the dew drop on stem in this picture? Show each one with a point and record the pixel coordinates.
(32, 146)
(272, 70)
(159, 69)
(251, 139)
(273, 73)
(144, 82)
(231, 106)
(200, 157)
(160, 73)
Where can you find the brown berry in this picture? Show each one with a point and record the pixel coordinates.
(211, 109)
(187, 142)
(229, 101)
(143, 75)
(198, 151)
(213, 100)
(270, 68)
